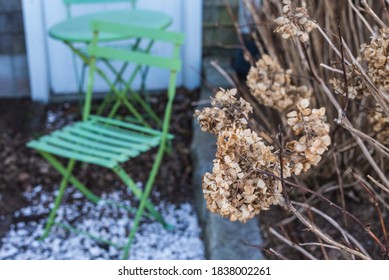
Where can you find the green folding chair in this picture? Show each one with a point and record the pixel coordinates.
(109, 142)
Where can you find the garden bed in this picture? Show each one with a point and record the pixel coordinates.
(28, 183)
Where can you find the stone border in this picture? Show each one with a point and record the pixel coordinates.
(223, 239)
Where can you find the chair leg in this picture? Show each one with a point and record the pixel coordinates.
(132, 109)
(143, 79)
(62, 187)
(144, 201)
(108, 98)
(144, 198)
(62, 170)
(147, 108)
(81, 86)
(138, 193)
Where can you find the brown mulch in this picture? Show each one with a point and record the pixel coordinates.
(22, 168)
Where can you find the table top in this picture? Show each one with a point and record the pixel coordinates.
(77, 29)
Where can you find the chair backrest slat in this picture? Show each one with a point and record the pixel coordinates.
(138, 32)
(135, 57)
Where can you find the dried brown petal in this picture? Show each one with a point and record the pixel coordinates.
(272, 86)
(227, 112)
(376, 55)
(242, 197)
(311, 124)
(294, 22)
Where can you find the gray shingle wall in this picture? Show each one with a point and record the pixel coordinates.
(11, 27)
(217, 24)
(13, 62)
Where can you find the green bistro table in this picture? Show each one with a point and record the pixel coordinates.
(76, 30)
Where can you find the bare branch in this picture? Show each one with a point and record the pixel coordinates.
(324, 236)
(346, 235)
(292, 244)
(373, 14)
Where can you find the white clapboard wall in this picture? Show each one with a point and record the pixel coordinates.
(51, 62)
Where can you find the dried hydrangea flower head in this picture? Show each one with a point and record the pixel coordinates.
(237, 187)
(244, 179)
(376, 54)
(380, 125)
(272, 85)
(294, 22)
(356, 88)
(311, 125)
(227, 112)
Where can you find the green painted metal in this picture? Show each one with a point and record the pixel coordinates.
(41, 146)
(91, 79)
(138, 194)
(91, 236)
(62, 188)
(128, 125)
(147, 108)
(90, 143)
(133, 136)
(83, 189)
(142, 58)
(158, 159)
(131, 148)
(119, 123)
(114, 132)
(135, 56)
(121, 96)
(108, 141)
(83, 148)
(131, 210)
(62, 170)
(69, 3)
(77, 29)
(134, 31)
(132, 109)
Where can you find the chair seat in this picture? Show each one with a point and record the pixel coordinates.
(102, 141)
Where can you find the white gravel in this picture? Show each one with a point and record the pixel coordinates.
(152, 241)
